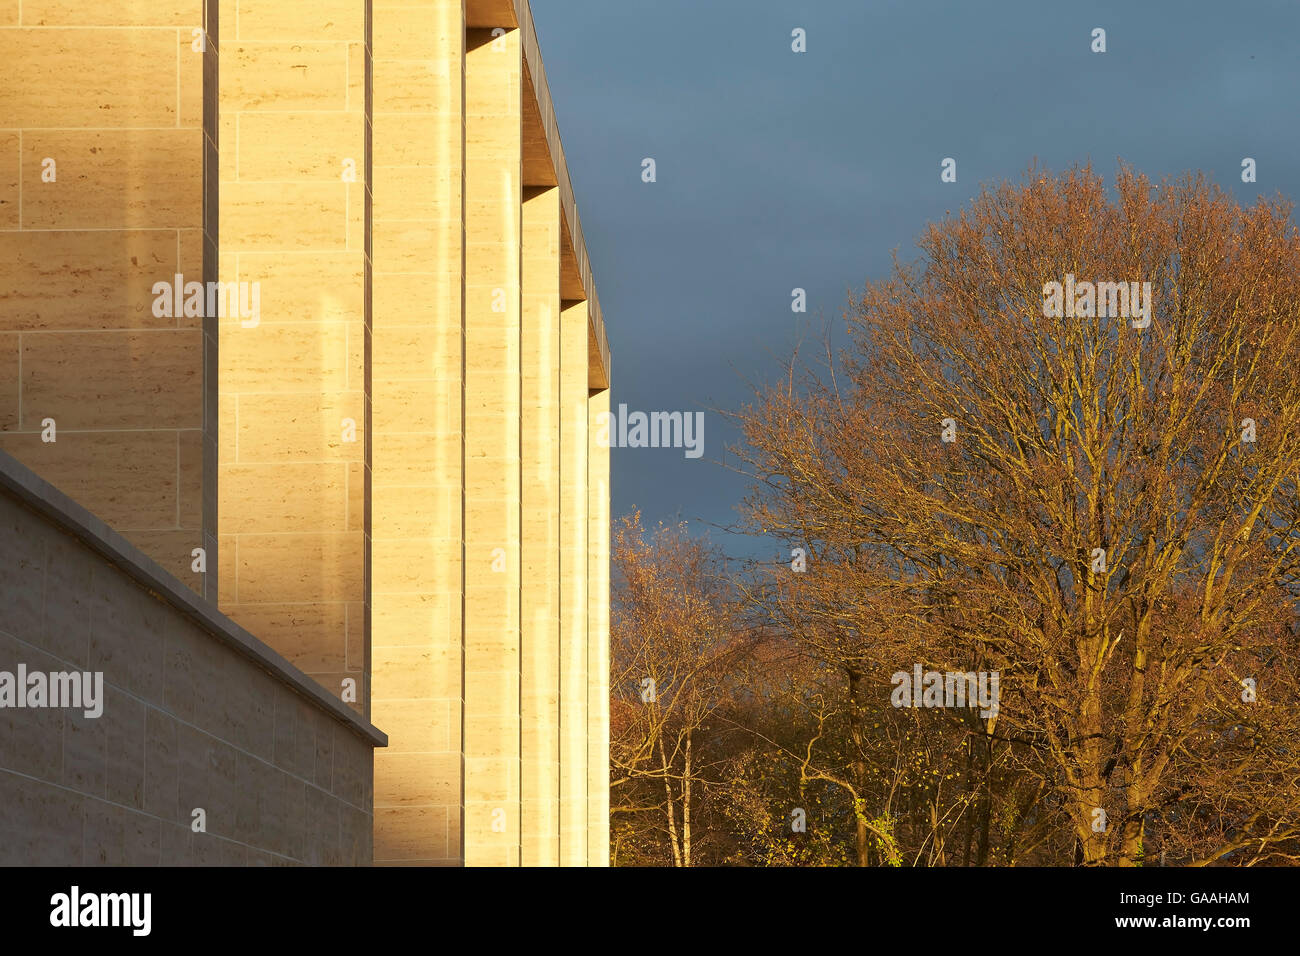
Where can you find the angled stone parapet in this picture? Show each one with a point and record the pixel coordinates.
(201, 745)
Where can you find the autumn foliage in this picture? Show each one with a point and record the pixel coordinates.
(1105, 513)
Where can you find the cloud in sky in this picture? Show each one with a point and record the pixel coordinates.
(778, 170)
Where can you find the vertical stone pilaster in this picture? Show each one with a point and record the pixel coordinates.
(597, 634)
(294, 401)
(417, 490)
(573, 584)
(540, 694)
(493, 211)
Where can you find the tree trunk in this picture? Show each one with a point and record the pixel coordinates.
(858, 764)
(672, 817)
(986, 802)
(1132, 850)
(969, 813)
(686, 806)
(937, 833)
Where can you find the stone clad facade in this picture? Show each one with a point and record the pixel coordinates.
(203, 746)
(357, 422)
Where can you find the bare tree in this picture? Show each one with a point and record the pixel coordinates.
(676, 654)
(1088, 487)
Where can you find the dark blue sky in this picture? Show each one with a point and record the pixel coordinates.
(779, 170)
